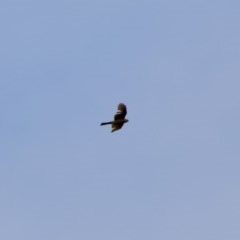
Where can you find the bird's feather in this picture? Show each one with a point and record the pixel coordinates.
(121, 112)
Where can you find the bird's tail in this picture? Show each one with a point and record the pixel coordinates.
(105, 123)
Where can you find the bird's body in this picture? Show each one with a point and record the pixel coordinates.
(119, 118)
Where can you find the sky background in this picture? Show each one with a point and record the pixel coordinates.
(172, 172)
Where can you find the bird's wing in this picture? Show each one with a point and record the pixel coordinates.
(121, 112)
(116, 127)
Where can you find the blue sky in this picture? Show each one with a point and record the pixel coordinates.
(172, 172)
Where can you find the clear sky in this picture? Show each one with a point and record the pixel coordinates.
(172, 172)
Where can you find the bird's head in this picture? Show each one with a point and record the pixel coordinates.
(126, 120)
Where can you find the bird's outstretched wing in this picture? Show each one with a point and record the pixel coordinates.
(121, 112)
(119, 117)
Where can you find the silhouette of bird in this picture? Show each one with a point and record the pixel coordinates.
(119, 118)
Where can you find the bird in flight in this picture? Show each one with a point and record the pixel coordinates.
(119, 118)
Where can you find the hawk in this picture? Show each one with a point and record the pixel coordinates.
(119, 118)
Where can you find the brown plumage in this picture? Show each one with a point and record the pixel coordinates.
(119, 118)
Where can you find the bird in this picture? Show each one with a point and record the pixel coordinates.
(119, 118)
